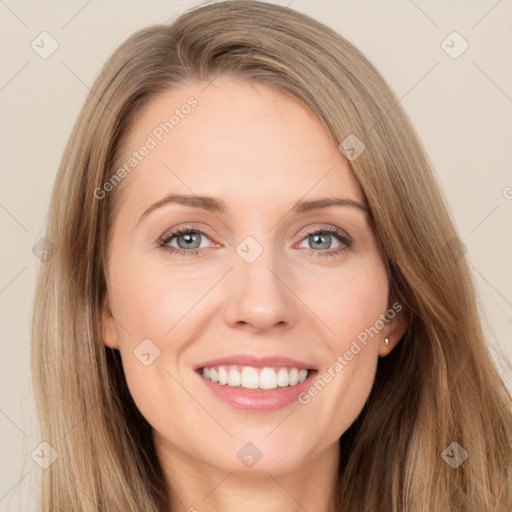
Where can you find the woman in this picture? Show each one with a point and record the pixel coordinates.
(195, 349)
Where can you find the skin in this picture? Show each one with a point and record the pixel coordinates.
(260, 150)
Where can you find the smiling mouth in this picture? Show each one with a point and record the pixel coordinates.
(255, 378)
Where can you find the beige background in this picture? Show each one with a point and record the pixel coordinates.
(462, 109)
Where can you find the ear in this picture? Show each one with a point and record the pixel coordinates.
(394, 328)
(109, 330)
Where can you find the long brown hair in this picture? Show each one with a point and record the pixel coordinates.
(438, 386)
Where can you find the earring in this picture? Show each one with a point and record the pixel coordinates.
(386, 341)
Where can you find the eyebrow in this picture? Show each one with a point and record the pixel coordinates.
(217, 205)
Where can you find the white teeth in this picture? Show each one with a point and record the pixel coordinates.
(268, 379)
(282, 377)
(294, 376)
(233, 377)
(223, 375)
(255, 378)
(249, 378)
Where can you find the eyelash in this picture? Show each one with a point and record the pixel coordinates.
(340, 235)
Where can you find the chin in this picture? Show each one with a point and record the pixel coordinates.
(258, 458)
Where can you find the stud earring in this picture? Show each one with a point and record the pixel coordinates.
(386, 341)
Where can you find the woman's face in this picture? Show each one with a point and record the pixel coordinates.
(256, 275)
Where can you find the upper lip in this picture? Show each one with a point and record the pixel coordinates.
(256, 361)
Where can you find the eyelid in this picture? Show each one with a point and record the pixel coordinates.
(188, 227)
(305, 232)
(326, 228)
(342, 236)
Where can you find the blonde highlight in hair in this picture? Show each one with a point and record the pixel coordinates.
(438, 386)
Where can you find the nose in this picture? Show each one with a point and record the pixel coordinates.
(259, 295)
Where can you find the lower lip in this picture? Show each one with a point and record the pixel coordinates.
(258, 400)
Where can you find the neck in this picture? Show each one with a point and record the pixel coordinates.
(198, 486)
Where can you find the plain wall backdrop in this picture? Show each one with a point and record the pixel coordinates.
(459, 99)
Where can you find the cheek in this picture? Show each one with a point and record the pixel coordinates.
(349, 302)
(153, 299)
(153, 307)
(157, 300)
(350, 305)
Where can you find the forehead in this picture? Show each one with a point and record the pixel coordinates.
(246, 142)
